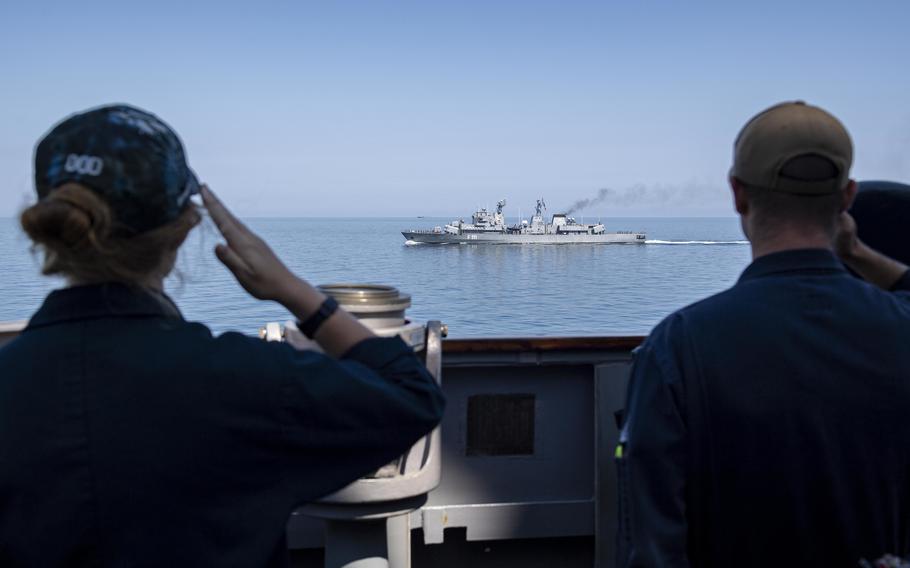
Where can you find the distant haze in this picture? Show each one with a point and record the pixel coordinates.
(434, 108)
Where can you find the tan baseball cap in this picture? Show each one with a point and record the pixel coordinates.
(785, 131)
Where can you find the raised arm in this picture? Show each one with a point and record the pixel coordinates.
(872, 265)
(341, 416)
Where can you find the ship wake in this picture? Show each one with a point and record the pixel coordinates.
(659, 242)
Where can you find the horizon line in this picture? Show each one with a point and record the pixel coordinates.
(450, 217)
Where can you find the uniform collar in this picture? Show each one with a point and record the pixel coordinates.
(94, 301)
(801, 261)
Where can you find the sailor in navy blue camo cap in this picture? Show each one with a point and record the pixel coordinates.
(111, 403)
(129, 157)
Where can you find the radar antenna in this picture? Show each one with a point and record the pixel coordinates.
(500, 204)
(541, 207)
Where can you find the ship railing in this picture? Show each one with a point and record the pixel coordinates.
(9, 330)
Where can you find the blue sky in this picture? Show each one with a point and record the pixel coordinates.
(431, 108)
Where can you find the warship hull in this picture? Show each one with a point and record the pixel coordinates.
(489, 227)
(431, 237)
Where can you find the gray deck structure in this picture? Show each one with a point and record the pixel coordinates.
(527, 457)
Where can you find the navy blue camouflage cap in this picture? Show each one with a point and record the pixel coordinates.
(129, 157)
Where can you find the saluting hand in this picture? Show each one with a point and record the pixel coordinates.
(256, 267)
(264, 276)
(872, 265)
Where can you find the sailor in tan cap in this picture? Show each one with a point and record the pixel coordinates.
(790, 174)
(767, 425)
(793, 148)
(791, 185)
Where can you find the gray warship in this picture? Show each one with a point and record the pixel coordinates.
(490, 227)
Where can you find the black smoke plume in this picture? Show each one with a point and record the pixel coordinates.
(640, 193)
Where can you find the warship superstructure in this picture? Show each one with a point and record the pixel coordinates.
(490, 227)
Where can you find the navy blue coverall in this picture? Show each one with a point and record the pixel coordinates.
(769, 425)
(130, 437)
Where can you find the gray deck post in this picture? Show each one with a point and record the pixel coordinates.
(399, 541)
(356, 544)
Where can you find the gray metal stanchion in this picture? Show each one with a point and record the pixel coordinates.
(399, 541)
(356, 544)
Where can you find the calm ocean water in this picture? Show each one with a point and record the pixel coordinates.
(478, 290)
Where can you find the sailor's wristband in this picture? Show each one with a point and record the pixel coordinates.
(315, 321)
